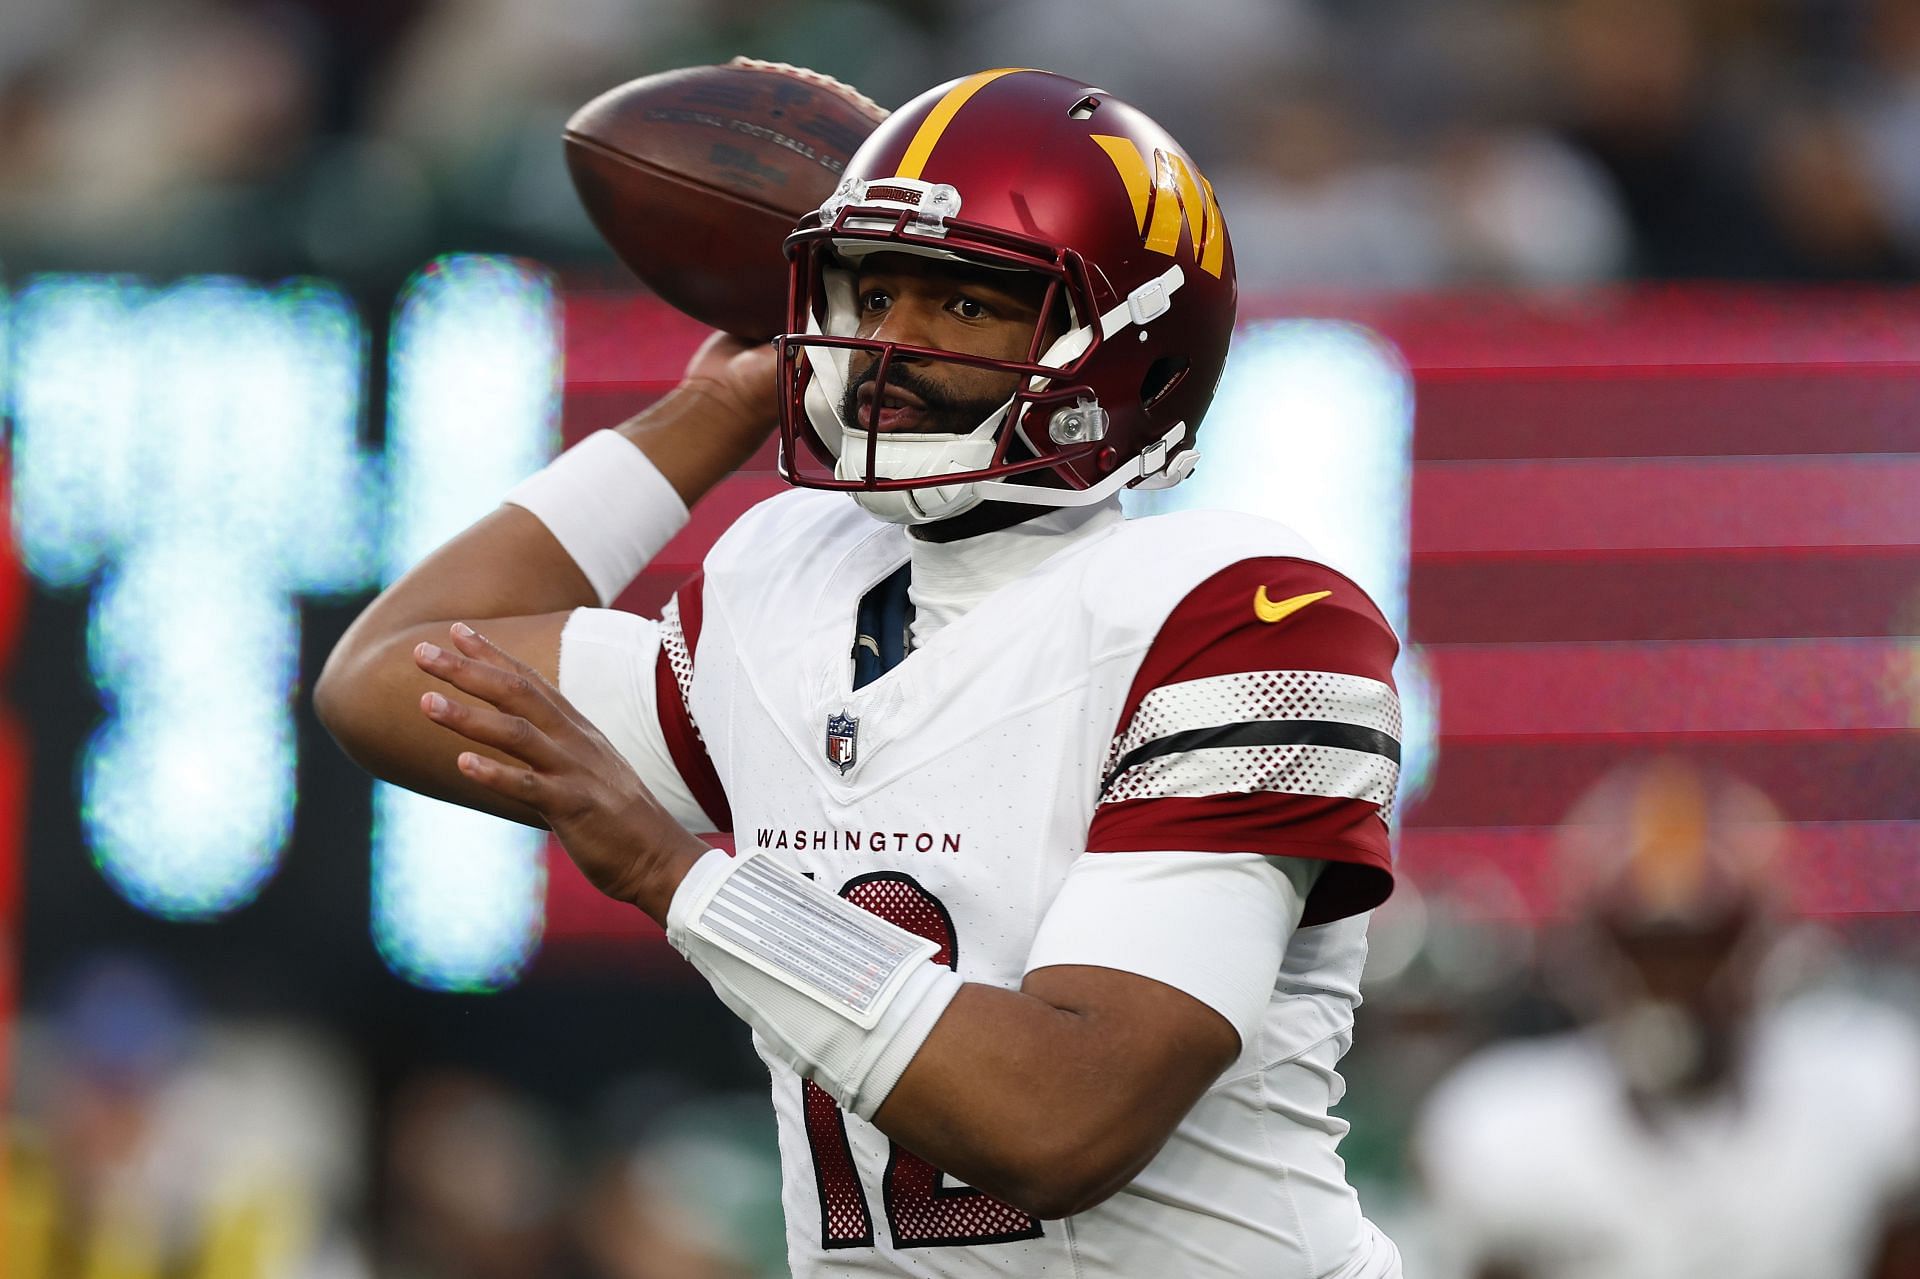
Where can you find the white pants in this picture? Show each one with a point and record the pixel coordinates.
(1375, 1258)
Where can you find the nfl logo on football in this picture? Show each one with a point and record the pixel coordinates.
(843, 741)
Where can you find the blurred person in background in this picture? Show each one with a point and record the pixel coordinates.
(1321, 199)
(150, 1145)
(1879, 119)
(1701, 1122)
(161, 138)
(1407, 151)
(1639, 92)
(1205, 61)
(464, 119)
(1746, 139)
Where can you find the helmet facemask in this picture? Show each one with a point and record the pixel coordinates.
(1048, 421)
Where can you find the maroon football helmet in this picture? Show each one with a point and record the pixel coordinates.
(1028, 171)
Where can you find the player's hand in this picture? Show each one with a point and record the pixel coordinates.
(625, 843)
(739, 377)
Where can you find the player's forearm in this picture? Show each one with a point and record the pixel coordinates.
(508, 564)
(1026, 1101)
(516, 564)
(697, 436)
(1051, 1097)
(504, 565)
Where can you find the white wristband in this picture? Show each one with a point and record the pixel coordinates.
(840, 995)
(608, 505)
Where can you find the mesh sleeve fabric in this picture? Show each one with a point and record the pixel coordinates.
(607, 670)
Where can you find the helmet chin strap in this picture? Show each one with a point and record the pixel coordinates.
(1149, 466)
(916, 457)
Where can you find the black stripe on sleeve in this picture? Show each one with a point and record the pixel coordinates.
(1265, 732)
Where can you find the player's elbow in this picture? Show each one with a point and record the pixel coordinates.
(1060, 1173)
(345, 703)
(334, 703)
(1065, 1199)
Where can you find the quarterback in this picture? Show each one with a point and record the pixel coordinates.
(1055, 833)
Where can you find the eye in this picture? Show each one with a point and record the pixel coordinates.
(970, 309)
(873, 301)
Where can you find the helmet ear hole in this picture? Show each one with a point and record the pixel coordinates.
(1163, 375)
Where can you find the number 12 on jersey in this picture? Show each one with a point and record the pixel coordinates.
(921, 1211)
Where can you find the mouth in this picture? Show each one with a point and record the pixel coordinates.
(894, 410)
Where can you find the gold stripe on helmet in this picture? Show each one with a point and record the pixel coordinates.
(942, 115)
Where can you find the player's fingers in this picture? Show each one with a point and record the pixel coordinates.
(477, 646)
(514, 735)
(511, 780)
(517, 693)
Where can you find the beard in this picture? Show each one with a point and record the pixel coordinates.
(944, 414)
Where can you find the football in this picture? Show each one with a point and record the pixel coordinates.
(694, 178)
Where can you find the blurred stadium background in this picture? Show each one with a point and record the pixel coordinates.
(1598, 312)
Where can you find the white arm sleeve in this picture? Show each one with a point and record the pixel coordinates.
(607, 505)
(1214, 925)
(606, 670)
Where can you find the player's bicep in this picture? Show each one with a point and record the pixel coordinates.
(607, 668)
(1159, 1048)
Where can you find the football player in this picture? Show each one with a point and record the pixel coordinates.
(1055, 833)
(1695, 1126)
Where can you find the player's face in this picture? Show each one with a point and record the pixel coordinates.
(919, 301)
(1698, 979)
(1682, 966)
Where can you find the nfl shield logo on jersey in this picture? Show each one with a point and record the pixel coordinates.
(843, 741)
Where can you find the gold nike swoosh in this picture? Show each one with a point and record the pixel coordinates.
(1268, 611)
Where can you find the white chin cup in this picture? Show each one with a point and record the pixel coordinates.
(914, 457)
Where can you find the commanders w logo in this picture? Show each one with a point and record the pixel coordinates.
(1166, 187)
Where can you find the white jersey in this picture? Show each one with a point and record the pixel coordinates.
(1190, 682)
(1535, 1159)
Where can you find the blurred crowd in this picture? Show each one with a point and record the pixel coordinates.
(150, 1139)
(1367, 143)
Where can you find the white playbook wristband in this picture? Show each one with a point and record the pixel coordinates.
(840, 995)
(608, 505)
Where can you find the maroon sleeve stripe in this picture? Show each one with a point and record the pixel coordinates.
(1348, 834)
(1215, 630)
(684, 743)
